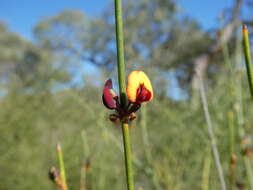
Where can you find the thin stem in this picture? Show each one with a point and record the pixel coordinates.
(246, 48)
(206, 170)
(83, 178)
(61, 165)
(122, 90)
(128, 155)
(212, 136)
(249, 171)
(120, 52)
(239, 103)
(144, 131)
(232, 164)
(145, 139)
(231, 132)
(84, 167)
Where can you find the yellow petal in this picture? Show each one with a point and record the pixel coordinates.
(135, 80)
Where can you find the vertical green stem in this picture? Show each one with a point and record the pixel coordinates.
(122, 89)
(83, 178)
(144, 131)
(147, 150)
(231, 132)
(61, 165)
(246, 48)
(128, 156)
(239, 104)
(86, 150)
(232, 165)
(249, 171)
(206, 171)
(120, 52)
(247, 55)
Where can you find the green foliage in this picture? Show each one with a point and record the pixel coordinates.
(31, 125)
(27, 67)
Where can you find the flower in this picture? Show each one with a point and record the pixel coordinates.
(109, 95)
(139, 88)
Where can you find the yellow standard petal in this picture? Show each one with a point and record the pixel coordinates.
(136, 80)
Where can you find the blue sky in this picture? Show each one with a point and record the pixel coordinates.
(205, 11)
(22, 15)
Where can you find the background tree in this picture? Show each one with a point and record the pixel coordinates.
(155, 37)
(26, 67)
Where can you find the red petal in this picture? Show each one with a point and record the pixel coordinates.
(108, 100)
(142, 95)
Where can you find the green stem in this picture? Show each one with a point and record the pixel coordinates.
(122, 90)
(231, 132)
(206, 171)
(83, 167)
(61, 165)
(239, 110)
(232, 165)
(120, 52)
(249, 171)
(144, 131)
(247, 55)
(147, 149)
(128, 155)
(83, 178)
(246, 48)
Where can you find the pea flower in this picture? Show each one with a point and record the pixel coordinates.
(139, 88)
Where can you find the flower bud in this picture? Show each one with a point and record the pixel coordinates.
(114, 118)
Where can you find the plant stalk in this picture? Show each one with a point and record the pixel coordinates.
(248, 171)
(128, 155)
(61, 165)
(120, 52)
(212, 136)
(233, 158)
(231, 132)
(246, 48)
(147, 150)
(206, 170)
(122, 90)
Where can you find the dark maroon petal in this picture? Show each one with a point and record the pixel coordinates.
(108, 99)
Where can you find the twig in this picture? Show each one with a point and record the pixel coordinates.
(211, 135)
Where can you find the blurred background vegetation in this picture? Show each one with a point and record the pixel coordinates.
(45, 100)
